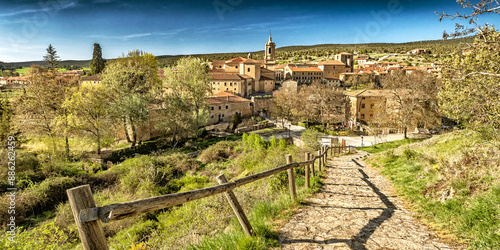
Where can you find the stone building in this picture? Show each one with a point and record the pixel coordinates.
(224, 105)
(244, 77)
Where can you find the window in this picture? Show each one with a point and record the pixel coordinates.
(362, 116)
(212, 108)
(212, 117)
(236, 66)
(371, 115)
(227, 106)
(248, 69)
(220, 107)
(230, 84)
(371, 105)
(363, 106)
(225, 84)
(222, 115)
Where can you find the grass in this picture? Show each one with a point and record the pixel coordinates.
(388, 145)
(22, 70)
(199, 224)
(451, 180)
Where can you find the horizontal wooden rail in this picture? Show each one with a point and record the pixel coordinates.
(124, 210)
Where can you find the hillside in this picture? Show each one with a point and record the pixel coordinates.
(451, 181)
(436, 46)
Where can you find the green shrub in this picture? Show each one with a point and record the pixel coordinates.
(311, 139)
(47, 236)
(221, 150)
(144, 174)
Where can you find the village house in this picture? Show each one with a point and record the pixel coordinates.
(224, 105)
(244, 77)
(90, 80)
(417, 52)
(366, 105)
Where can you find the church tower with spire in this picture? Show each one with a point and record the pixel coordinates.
(269, 54)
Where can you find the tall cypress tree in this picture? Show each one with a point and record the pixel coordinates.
(97, 63)
(52, 59)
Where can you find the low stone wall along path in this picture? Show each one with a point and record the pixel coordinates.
(356, 209)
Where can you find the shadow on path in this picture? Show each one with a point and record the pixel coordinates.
(359, 240)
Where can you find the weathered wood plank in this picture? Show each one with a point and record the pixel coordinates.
(235, 205)
(91, 233)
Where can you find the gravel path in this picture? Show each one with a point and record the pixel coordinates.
(356, 209)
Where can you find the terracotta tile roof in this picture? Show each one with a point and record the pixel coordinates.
(236, 60)
(217, 70)
(225, 97)
(331, 62)
(250, 61)
(309, 69)
(393, 68)
(246, 76)
(409, 68)
(95, 78)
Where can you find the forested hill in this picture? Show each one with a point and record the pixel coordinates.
(441, 47)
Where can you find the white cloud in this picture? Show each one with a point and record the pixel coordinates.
(41, 8)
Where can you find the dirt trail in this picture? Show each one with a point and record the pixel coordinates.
(356, 209)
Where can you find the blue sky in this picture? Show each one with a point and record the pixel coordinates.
(167, 27)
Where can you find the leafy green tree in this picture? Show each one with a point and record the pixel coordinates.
(97, 63)
(311, 139)
(186, 89)
(190, 80)
(471, 88)
(88, 111)
(132, 81)
(236, 120)
(39, 110)
(51, 58)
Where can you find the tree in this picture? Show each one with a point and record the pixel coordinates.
(321, 103)
(284, 103)
(88, 111)
(411, 100)
(476, 10)
(190, 79)
(132, 81)
(40, 107)
(97, 63)
(236, 120)
(471, 88)
(51, 58)
(185, 99)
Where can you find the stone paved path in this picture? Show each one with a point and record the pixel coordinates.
(356, 209)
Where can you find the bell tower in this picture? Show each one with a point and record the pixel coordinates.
(269, 53)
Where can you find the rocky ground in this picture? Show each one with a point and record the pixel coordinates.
(356, 209)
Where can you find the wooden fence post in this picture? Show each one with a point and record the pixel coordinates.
(326, 156)
(291, 178)
(308, 158)
(320, 162)
(91, 233)
(231, 198)
(331, 146)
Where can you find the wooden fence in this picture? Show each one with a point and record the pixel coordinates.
(88, 217)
